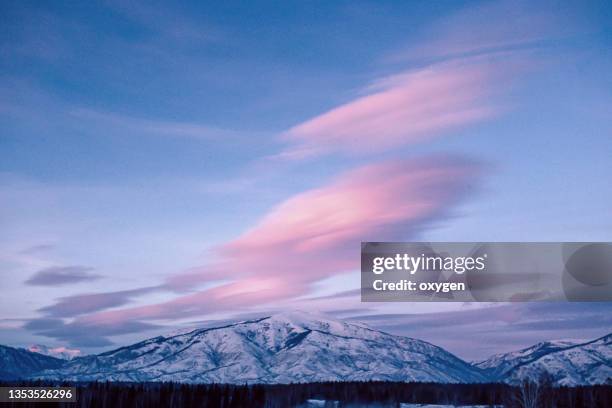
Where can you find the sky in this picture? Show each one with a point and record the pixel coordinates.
(176, 165)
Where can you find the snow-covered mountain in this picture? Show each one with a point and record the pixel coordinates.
(499, 365)
(291, 347)
(19, 363)
(302, 347)
(565, 362)
(63, 353)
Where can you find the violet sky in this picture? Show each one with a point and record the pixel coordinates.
(168, 165)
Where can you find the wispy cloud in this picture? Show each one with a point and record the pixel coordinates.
(75, 305)
(168, 25)
(36, 249)
(62, 275)
(400, 109)
(43, 111)
(141, 126)
(489, 28)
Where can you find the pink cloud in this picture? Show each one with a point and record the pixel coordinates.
(400, 109)
(315, 235)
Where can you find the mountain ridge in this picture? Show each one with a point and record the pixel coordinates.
(306, 347)
(566, 363)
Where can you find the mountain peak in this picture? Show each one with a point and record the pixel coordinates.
(303, 319)
(557, 344)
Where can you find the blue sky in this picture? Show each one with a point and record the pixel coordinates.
(150, 150)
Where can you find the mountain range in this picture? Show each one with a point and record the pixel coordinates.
(304, 347)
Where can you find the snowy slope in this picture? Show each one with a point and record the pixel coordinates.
(499, 365)
(566, 362)
(19, 363)
(291, 347)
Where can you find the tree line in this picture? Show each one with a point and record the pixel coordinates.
(345, 394)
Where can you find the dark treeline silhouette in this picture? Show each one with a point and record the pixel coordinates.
(348, 394)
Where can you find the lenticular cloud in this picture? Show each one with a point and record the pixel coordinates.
(401, 109)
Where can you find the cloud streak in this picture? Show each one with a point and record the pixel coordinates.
(142, 126)
(491, 27)
(82, 334)
(62, 275)
(76, 305)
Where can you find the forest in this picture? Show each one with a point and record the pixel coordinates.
(339, 394)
